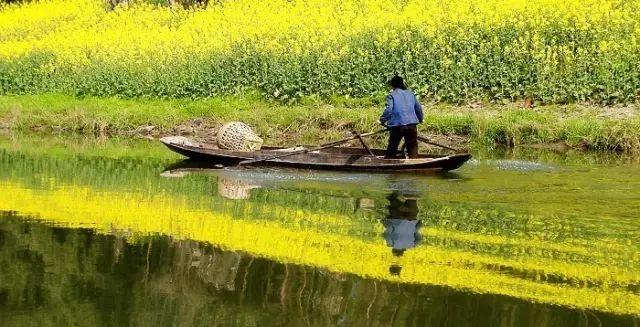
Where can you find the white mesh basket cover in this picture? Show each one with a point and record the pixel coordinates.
(239, 137)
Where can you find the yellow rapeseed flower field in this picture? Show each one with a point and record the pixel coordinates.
(449, 50)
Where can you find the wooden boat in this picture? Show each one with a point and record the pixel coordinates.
(334, 158)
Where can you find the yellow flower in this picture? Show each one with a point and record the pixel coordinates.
(141, 37)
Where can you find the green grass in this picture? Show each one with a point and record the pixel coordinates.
(314, 121)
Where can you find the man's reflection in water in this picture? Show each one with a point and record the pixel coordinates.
(401, 225)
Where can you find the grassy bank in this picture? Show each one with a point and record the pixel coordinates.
(599, 128)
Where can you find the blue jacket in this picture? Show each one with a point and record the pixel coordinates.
(402, 109)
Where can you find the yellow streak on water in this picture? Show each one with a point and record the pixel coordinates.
(139, 214)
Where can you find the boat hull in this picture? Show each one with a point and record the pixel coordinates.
(350, 159)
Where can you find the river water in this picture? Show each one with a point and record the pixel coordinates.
(120, 232)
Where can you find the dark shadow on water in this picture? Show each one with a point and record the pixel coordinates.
(191, 165)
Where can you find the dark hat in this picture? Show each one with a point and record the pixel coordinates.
(395, 270)
(397, 82)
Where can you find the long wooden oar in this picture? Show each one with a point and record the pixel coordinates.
(364, 144)
(426, 140)
(323, 146)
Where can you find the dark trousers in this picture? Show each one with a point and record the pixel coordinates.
(410, 135)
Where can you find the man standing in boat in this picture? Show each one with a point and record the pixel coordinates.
(402, 113)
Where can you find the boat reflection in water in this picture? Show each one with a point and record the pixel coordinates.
(237, 183)
(399, 217)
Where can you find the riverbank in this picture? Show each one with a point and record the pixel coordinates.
(555, 126)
